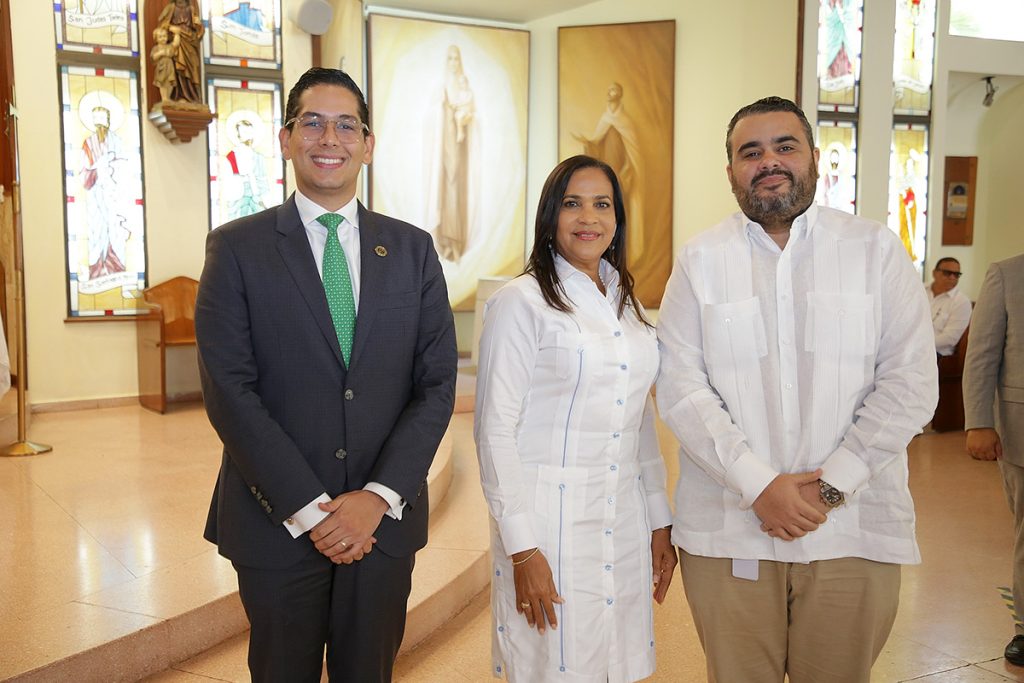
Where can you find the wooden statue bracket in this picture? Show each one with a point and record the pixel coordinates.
(180, 122)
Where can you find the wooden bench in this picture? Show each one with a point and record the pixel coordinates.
(168, 320)
(949, 413)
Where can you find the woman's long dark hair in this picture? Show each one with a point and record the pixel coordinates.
(542, 259)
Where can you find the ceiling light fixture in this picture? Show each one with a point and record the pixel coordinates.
(990, 91)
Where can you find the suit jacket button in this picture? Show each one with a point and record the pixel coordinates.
(269, 509)
(349, 394)
(253, 489)
(341, 454)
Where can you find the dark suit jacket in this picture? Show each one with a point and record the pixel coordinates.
(295, 422)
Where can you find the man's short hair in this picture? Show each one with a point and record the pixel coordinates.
(765, 106)
(319, 76)
(945, 259)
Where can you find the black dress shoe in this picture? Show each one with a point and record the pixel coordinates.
(1014, 651)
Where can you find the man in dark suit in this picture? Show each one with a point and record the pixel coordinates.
(328, 359)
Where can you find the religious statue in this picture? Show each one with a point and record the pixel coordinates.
(163, 54)
(180, 18)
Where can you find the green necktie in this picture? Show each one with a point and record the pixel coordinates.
(338, 285)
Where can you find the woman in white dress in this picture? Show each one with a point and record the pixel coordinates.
(569, 459)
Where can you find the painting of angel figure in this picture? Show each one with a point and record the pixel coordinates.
(616, 87)
(446, 101)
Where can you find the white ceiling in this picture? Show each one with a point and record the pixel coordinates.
(516, 11)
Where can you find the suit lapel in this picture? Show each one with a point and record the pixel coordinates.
(372, 278)
(298, 257)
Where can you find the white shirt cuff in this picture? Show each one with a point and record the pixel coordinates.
(516, 533)
(308, 517)
(845, 471)
(659, 513)
(396, 504)
(749, 476)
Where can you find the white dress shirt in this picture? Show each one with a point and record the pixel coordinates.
(570, 464)
(951, 314)
(348, 235)
(819, 355)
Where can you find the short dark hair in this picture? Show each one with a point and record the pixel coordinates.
(317, 76)
(765, 106)
(938, 264)
(542, 259)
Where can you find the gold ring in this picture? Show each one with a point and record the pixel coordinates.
(343, 544)
(524, 605)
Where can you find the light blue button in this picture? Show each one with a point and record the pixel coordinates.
(498, 669)
(623, 366)
(614, 468)
(652, 643)
(561, 487)
(607, 532)
(501, 629)
(618, 333)
(615, 435)
(609, 601)
(607, 567)
(497, 572)
(561, 668)
(619, 402)
(610, 500)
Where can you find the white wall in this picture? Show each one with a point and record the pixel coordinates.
(960, 126)
(95, 360)
(727, 54)
(963, 127)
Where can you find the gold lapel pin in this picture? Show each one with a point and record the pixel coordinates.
(380, 251)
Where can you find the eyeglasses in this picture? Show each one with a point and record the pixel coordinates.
(950, 273)
(313, 126)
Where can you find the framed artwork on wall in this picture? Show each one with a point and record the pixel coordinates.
(616, 86)
(103, 189)
(448, 106)
(246, 167)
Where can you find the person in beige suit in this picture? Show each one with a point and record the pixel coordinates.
(994, 403)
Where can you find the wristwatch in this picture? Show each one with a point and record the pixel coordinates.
(830, 495)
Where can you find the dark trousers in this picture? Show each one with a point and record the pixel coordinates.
(357, 611)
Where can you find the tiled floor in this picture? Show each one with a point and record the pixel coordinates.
(90, 529)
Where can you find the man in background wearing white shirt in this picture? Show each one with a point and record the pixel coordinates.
(797, 364)
(951, 309)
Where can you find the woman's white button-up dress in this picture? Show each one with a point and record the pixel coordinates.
(569, 463)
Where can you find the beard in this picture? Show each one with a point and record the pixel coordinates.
(775, 208)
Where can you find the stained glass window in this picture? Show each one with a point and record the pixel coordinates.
(108, 27)
(106, 255)
(839, 40)
(913, 56)
(908, 188)
(244, 33)
(246, 168)
(991, 19)
(837, 167)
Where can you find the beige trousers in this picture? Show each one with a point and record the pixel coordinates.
(1013, 482)
(822, 622)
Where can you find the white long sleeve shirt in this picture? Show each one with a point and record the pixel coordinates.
(786, 360)
(570, 464)
(951, 314)
(559, 391)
